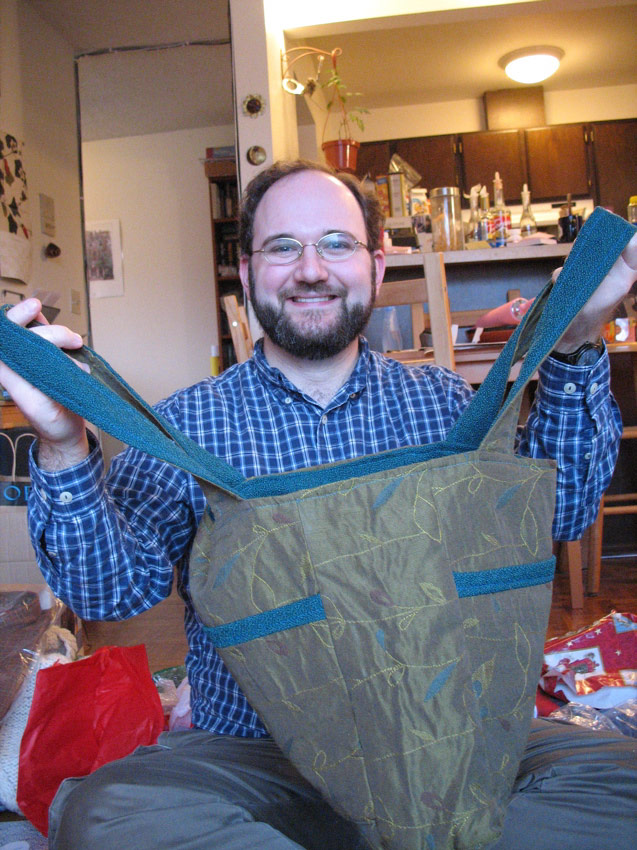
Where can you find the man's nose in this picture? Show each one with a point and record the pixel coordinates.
(310, 265)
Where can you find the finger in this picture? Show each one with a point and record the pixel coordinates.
(59, 335)
(26, 311)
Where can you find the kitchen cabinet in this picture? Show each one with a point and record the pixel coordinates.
(435, 158)
(558, 162)
(373, 159)
(497, 150)
(224, 200)
(595, 160)
(614, 149)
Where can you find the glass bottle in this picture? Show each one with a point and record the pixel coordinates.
(473, 227)
(500, 216)
(632, 209)
(483, 217)
(527, 220)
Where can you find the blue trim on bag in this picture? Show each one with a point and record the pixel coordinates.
(299, 613)
(504, 578)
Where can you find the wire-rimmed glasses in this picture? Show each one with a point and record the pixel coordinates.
(333, 247)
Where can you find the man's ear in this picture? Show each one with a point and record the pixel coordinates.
(244, 270)
(378, 257)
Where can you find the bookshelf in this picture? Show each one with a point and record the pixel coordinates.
(224, 201)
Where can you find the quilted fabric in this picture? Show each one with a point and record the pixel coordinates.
(407, 698)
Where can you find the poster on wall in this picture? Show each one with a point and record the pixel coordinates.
(15, 224)
(104, 259)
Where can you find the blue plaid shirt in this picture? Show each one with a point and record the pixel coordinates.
(107, 547)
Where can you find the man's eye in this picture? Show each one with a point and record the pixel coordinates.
(337, 242)
(282, 248)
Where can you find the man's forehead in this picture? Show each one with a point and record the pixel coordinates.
(309, 197)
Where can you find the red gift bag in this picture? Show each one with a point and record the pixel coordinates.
(85, 714)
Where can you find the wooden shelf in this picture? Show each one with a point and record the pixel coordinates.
(222, 181)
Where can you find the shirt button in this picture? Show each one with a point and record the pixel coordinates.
(569, 388)
(353, 395)
(594, 388)
(587, 456)
(66, 497)
(288, 400)
(324, 420)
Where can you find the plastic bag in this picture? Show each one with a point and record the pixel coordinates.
(25, 616)
(83, 715)
(62, 649)
(620, 718)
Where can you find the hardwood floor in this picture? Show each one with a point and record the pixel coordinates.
(161, 628)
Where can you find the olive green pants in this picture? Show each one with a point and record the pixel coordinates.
(576, 790)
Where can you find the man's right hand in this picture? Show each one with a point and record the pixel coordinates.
(63, 441)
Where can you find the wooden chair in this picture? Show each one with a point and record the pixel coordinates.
(239, 327)
(612, 503)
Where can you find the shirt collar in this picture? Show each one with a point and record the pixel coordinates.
(355, 384)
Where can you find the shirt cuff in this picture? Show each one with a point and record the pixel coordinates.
(68, 492)
(569, 386)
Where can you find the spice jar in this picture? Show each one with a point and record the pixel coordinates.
(446, 219)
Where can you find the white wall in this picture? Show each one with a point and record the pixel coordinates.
(38, 107)
(158, 334)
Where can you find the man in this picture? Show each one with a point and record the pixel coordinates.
(313, 393)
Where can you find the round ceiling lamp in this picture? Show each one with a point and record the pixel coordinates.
(531, 64)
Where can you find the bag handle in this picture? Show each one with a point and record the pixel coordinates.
(602, 238)
(103, 397)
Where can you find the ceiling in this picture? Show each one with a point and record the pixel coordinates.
(438, 57)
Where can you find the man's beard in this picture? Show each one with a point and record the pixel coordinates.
(312, 342)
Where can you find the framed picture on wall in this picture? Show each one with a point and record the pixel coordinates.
(104, 259)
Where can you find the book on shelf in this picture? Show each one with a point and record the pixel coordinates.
(221, 152)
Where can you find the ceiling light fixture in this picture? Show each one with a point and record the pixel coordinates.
(531, 64)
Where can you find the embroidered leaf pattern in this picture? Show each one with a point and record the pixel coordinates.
(433, 592)
(439, 681)
(225, 571)
(386, 493)
(507, 496)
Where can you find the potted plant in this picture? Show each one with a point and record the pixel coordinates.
(342, 151)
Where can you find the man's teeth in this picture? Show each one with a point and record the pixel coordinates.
(310, 298)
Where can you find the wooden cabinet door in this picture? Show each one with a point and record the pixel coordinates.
(615, 157)
(497, 150)
(433, 157)
(557, 159)
(373, 159)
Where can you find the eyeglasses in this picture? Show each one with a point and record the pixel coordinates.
(333, 247)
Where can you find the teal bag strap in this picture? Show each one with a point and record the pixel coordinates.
(599, 243)
(103, 397)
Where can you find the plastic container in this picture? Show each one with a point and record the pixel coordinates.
(632, 209)
(446, 220)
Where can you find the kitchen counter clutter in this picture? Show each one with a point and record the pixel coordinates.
(509, 253)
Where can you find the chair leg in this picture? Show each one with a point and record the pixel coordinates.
(574, 561)
(595, 553)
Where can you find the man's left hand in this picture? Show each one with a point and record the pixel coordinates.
(587, 325)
